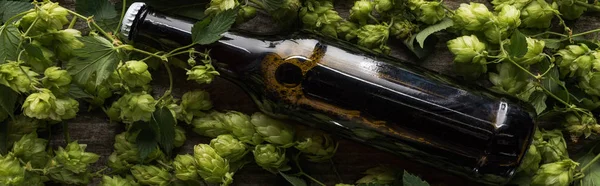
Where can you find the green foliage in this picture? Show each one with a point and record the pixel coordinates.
(209, 30)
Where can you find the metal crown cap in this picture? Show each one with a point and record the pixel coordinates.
(129, 17)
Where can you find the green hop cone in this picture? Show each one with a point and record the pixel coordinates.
(241, 127)
(553, 147)
(51, 17)
(245, 13)
(383, 5)
(185, 167)
(229, 147)
(537, 14)
(578, 126)
(132, 107)
(361, 11)
(590, 83)
(74, 158)
(509, 79)
(569, 10)
(151, 175)
(13, 77)
(316, 145)
(468, 49)
(66, 177)
(57, 80)
(270, 157)
(573, 60)
(210, 125)
(431, 12)
(40, 105)
(66, 108)
(273, 131)
(320, 16)
(196, 100)
(202, 74)
(346, 30)
(117, 180)
(509, 15)
(99, 93)
(534, 52)
(211, 167)
(217, 6)
(559, 173)
(472, 16)
(402, 29)
(34, 179)
(135, 73)
(374, 37)
(378, 175)
(287, 11)
(11, 172)
(66, 42)
(495, 31)
(31, 149)
(531, 163)
(179, 137)
(519, 4)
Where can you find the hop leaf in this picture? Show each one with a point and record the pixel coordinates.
(11, 172)
(472, 17)
(21, 126)
(212, 167)
(228, 147)
(31, 149)
(557, 173)
(74, 158)
(151, 175)
(18, 80)
(316, 145)
(117, 180)
(185, 167)
(270, 157)
(273, 131)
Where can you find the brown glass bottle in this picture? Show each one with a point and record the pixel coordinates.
(379, 101)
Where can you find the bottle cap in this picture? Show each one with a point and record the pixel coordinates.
(129, 17)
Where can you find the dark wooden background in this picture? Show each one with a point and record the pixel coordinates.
(93, 127)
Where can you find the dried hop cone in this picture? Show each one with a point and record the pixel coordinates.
(151, 175)
(270, 157)
(273, 131)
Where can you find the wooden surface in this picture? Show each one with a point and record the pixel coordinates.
(93, 128)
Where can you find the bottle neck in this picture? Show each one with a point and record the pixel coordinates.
(166, 32)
